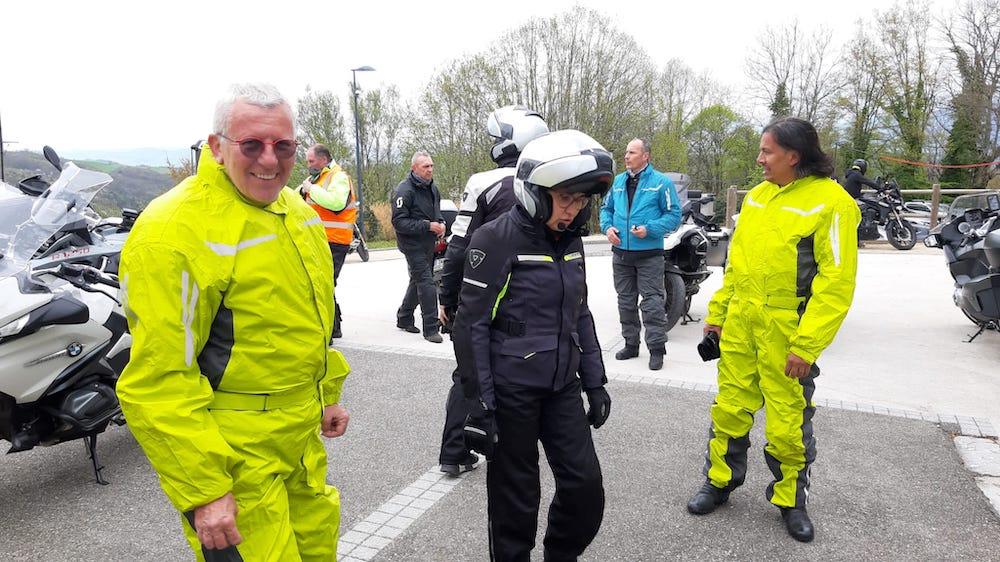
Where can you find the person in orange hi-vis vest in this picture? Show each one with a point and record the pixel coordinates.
(329, 191)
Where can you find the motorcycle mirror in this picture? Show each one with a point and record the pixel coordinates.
(52, 157)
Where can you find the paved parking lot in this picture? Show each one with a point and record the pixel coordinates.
(886, 487)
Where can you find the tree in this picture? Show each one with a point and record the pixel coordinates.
(780, 106)
(974, 43)
(722, 148)
(382, 117)
(798, 67)
(861, 97)
(320, 120)
(679, 95)
(910, 81)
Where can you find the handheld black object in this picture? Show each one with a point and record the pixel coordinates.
(708, 347)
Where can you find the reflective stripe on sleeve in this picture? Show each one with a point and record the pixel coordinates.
(474, 283)
(530, 257)
(835, 239)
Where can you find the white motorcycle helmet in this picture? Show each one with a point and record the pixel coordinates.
(512, 128)
(565, 159)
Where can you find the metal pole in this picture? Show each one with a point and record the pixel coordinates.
(357, 153)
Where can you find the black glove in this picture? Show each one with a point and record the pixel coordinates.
(449, 312)
(600, 406)
(481, 432)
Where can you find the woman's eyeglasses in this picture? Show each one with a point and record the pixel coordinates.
(253, 147)
(567, 201)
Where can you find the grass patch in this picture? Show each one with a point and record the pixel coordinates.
(380, 244)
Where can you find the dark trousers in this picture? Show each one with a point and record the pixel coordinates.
(525, 415)
(421, 289)
(339, 253)
(635, 277)
(453, 449)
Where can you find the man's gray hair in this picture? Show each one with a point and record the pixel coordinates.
(259, 94)
(646, 147)
(418, 155)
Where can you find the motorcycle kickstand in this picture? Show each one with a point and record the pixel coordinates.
(982, 328)
(90, 442)
(688, 319)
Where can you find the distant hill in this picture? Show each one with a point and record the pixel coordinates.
(133, 186)
(131, 157)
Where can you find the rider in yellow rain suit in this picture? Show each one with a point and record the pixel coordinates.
(230, 308)
(787, 288)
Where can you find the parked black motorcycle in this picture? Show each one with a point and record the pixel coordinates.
(971, 245)
(688, 251)
(885, 209)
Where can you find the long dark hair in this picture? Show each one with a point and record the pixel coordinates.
(792, 133)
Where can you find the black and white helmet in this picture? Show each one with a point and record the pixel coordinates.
(861, 165)
(512, 128)
(565, 159)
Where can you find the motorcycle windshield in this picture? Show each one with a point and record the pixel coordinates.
(27, 222)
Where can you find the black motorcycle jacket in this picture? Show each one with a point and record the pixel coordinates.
(487, 196)
(414, 207)
(523, 318)
(853, 182)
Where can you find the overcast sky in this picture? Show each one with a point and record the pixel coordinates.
(119, 75)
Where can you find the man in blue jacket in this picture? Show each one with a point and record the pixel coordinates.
(640, 210)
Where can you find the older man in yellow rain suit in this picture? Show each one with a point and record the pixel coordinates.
(787, 288)
(227, 282)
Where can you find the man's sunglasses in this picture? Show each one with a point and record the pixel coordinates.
(253, 148)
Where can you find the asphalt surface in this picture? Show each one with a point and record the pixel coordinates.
(884, 487)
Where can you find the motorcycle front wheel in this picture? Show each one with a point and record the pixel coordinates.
(901, 237)
(361, 246)
(675, 301)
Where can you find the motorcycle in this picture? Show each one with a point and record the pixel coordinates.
(688, 251)
(971, 246)
(450, 212)
(885, 209)
(358, 244)
(63, 334)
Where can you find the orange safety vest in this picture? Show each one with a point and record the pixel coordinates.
(339, 225)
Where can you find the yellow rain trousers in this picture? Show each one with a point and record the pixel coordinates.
(788, 284)
(230, 307)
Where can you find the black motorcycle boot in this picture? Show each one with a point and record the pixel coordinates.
(656, 358)
(706, 499)
(798, 524)
(627, 352)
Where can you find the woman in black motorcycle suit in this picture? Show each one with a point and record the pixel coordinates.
(526, 348)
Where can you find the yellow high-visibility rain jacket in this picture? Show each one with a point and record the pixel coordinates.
(794, 244)
(227, 301)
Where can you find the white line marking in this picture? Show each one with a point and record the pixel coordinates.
(377, 531)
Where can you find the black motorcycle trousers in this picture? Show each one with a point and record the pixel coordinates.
(453, 449)
(524, 416)
(420, 263)
(339, 253)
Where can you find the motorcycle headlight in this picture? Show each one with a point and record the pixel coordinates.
(13, 328)
(932, 241)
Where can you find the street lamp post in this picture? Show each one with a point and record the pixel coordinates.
(357, 144)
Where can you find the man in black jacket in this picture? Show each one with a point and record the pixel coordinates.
(855, 180)
(418, 222)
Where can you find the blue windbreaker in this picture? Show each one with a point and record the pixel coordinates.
(655, 206)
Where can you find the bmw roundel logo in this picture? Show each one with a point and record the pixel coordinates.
(74, 349)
